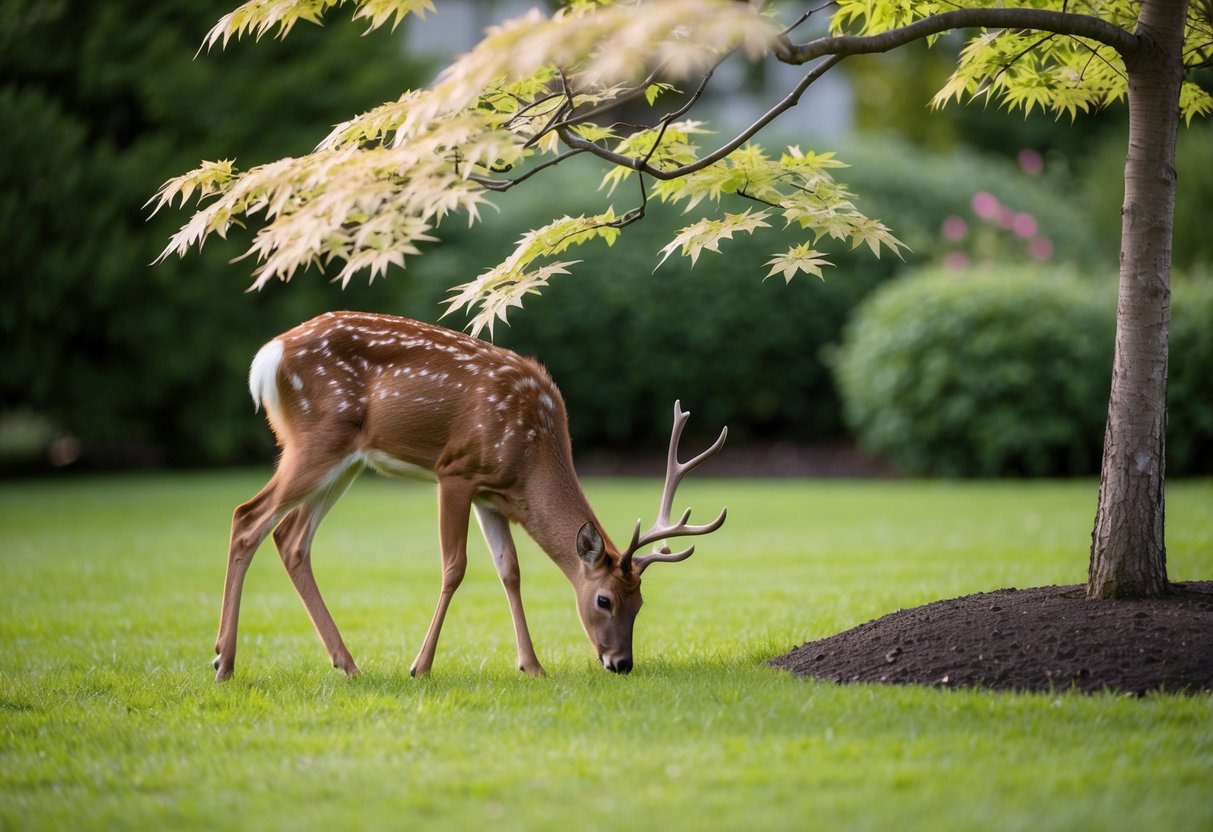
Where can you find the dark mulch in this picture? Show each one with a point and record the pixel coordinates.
(1043, 639)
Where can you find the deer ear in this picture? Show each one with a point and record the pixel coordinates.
(590, 547)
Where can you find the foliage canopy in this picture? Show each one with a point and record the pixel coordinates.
(539, 89)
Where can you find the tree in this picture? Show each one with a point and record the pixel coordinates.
(99, 103)
(538, 90)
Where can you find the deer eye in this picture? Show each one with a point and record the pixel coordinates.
(604, 603)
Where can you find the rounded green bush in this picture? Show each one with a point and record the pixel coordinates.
(623, 340)
(1190, 379)
(981, 374)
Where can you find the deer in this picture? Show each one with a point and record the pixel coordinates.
(349, 390)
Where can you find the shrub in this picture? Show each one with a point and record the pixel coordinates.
(102, 102)
(1102, 184)
(917, 193)
(981, 374)
(623, 343)
(1190, 379)
(623, 340)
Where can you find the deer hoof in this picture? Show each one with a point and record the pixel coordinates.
(344, 662)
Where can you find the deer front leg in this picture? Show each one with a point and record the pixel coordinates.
(454, 509)
(496, 530)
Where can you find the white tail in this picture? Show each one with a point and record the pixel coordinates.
(348, 389)
(263, 376)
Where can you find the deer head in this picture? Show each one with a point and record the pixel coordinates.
(608, 596)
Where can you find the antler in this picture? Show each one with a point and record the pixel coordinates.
(663, 529)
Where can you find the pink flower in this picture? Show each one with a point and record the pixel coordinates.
(985, 205)
(955, 228)
(1041, 248)
(1031, 162)
(957, 261)
(1024, 225)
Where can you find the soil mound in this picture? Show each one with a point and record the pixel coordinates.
(1042, 639)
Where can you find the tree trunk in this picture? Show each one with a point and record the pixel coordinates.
(1128, 547)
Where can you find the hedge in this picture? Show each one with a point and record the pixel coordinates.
(623, 340)
(981, 374)
(1190, 379)
(1007, 371)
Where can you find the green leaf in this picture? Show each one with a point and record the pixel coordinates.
(500, 290)
(653, 91)
(1194, 101)
(706, 234)
(258, 17)
(502, 287)
(799, 258)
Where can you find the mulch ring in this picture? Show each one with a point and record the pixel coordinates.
(1044, 639)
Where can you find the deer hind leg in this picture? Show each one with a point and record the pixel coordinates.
(292, 484)
(251, 523)
(293, 538)
(454, 508)
(496, 530)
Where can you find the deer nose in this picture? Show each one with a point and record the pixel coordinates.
(621, 665)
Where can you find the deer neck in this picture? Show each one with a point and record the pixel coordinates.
(553, 508)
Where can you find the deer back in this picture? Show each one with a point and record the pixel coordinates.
(413, 398)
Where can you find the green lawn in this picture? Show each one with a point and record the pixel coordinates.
(109, 717)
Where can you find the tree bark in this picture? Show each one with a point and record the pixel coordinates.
(1128, 545)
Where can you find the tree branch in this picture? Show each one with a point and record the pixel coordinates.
(523, 112)
(1061, 23)
(642, 166)
(633, 214)
(837, 47)
(606, 107)
(500, 185)
(804, 17)
(631, 95)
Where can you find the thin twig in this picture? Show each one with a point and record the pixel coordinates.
(501, 185)
(633, 163)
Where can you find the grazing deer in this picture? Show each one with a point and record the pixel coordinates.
(347, 389)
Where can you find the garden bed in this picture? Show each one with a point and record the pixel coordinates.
(1047, 638)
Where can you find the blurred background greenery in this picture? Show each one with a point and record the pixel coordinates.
(111, 362)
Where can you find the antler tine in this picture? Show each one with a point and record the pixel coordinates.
(675, 470)
(664, 555)
(663, 528)
(635, 544)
